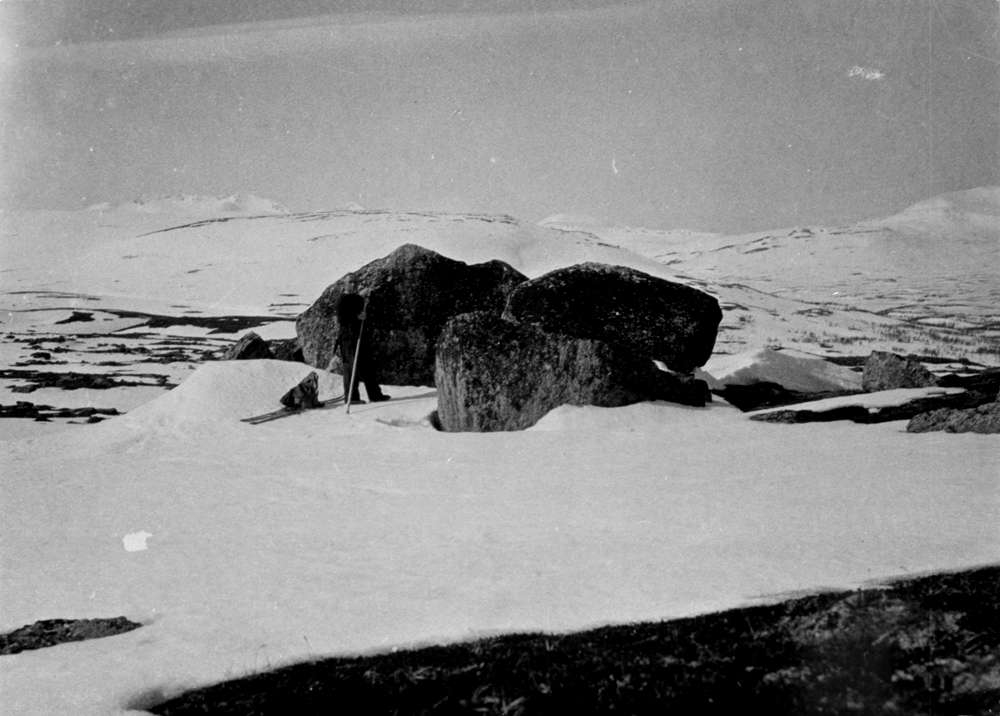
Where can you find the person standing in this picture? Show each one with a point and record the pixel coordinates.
(352, 337)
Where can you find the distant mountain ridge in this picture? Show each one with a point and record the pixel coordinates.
(971, 210)
(196, 205)
(977, 208)
(920, 281)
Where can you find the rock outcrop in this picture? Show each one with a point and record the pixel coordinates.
(49, 632)
(906, 403)
(250, 346)
(44, 413)
(493, 374)
(645, 315)
(412, 293)
(303, 396)
(888, 371)
(981, 419)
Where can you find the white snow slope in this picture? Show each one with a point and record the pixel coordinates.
(327, 533)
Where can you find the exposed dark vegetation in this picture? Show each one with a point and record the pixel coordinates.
(78, 317)
(36, 379)
(25, 409)
(50, 632)
(217, 324)
(859, 360)
(866, 415)
(923, 646)
(764, 394)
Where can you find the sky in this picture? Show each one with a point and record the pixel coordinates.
(714, 115)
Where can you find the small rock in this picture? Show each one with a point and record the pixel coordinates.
(303, 396)
(250, 346)
(49, 632)
(888, 371)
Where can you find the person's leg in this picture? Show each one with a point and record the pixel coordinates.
(369, 376)
(347, 358)
(374, 392)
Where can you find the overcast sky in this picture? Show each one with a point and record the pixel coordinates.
(706, 114)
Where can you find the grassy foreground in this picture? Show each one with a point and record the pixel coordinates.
(924, 646)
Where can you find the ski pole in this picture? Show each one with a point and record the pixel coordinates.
(354, 366)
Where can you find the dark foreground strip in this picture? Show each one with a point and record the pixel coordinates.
(923, 646)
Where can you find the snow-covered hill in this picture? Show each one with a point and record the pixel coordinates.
(328, 532)
(195, 205)
(975, 212)
(924, 280)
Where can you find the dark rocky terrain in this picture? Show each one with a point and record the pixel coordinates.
(920, 647)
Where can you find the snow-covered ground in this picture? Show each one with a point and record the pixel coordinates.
(791, 369)
(327, 533)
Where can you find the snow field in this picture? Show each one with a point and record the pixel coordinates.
(331, 533)
(327, 533)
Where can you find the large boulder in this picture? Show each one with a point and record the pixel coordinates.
(494, 374)
(645, 315)
(412, 293)
(888, 371)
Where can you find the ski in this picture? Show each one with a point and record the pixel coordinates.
(284, 412)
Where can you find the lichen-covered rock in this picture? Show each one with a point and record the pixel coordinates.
(250, 346)
(493, 375)
(982, 419)
(412, 293)
(888, 371)
(648, 316)
(303, 396)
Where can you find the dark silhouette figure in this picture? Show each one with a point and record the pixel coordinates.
(350, 317)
